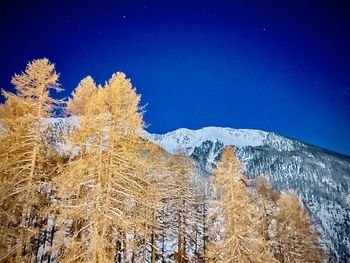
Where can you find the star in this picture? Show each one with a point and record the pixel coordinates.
(124, 16)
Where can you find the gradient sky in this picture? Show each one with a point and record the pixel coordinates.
(281, 66)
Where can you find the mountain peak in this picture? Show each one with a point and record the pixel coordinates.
(186, 139)
(320, 177)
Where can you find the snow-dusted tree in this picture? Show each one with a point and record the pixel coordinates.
(265, 189)
(286, 225)
(82, 94)
(144, 227)
(178, 216)
(201, 189)
(295, 239)
(24, 164)
(265, 201)
(237, 237)
(103, 184)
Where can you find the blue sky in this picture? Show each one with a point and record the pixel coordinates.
(281, 66)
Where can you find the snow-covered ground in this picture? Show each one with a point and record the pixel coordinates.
(320, 177)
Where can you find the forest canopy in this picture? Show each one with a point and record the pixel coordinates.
(114, 196)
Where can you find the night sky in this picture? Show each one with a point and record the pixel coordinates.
(281, 66)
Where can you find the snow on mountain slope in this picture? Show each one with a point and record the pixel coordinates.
(320, 177)
(189, 140)
(185, 139)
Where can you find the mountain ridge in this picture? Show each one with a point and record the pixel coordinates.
(330, 151)
(319, 176)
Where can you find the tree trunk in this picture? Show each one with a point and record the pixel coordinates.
(51, 242)
(180, 244)
(118, 256)
(205, 237)
(144, 252)
(163, 244)
(125, 251)
(153, 241)
(133, 257)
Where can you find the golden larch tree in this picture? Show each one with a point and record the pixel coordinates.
(145, 227)
(178, 214)
(296, 239)
(237, 237)
(102, 184)
(265, 200)
(81, 95)
(23, 158)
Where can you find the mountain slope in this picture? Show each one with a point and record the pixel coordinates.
(320, 177)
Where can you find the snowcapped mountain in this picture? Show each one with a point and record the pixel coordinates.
(190, 141)
(320, 177)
